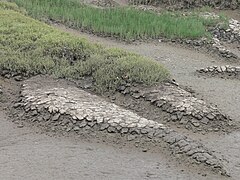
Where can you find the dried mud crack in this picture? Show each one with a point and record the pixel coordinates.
(52, 104)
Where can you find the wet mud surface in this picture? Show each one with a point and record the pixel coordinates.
(183, 63)
(29, 150)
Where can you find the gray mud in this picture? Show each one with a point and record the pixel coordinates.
(28, 152)
(182, 63)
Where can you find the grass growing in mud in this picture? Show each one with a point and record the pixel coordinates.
(126, 23)
(31, 47)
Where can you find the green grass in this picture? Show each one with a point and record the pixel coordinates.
(124, 22)
(30, 47)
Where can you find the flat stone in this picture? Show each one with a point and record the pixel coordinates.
(20, 126)
(76, 128)
(112, 129)
(34, 113)
(92, 123)
(195, 123)
(46, 117)
(169, 139)
(131, 137)
(210, 116)
(16, 105)
(124, 130)
(184, 120)
(174, 118)
(223, 68)
(205, 120)
(56, 117)
(200, 157)
(83, 124)
(104, 126)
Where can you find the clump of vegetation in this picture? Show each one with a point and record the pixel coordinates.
(29, 47)
(124, 22)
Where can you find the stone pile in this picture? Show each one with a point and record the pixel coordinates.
(222, 50)
(213, 46)
(230, 35)
(105, 3)
(186, 4)
(227, 70)
(18, 76)
(183, 108)
(51, 102)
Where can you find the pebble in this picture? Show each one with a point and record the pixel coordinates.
(20, 126)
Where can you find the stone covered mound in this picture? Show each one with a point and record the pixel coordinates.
(60, 106)
(186, 4)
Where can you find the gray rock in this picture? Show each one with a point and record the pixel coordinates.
(124, 130)
(112, 129)
(104, 126)
(195, 123)
(34, 113)
(92, 123)
(223, 68)
(76, 128)
(205, 120)
(210, 116)
(83, 124)
(174, 118)
(56, 117)
(46, 117)
(131, 137)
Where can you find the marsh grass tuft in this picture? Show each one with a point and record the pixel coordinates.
(124, 22)
(30, 47)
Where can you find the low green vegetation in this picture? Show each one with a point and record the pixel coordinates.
(124, 22)
(29, 47)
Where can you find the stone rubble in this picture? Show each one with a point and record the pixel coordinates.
(87, 111)
(105, 3)
(222, 50)
(226, 71)
(182, 107)
(187, 4)
(221, 36)
(230, 35)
